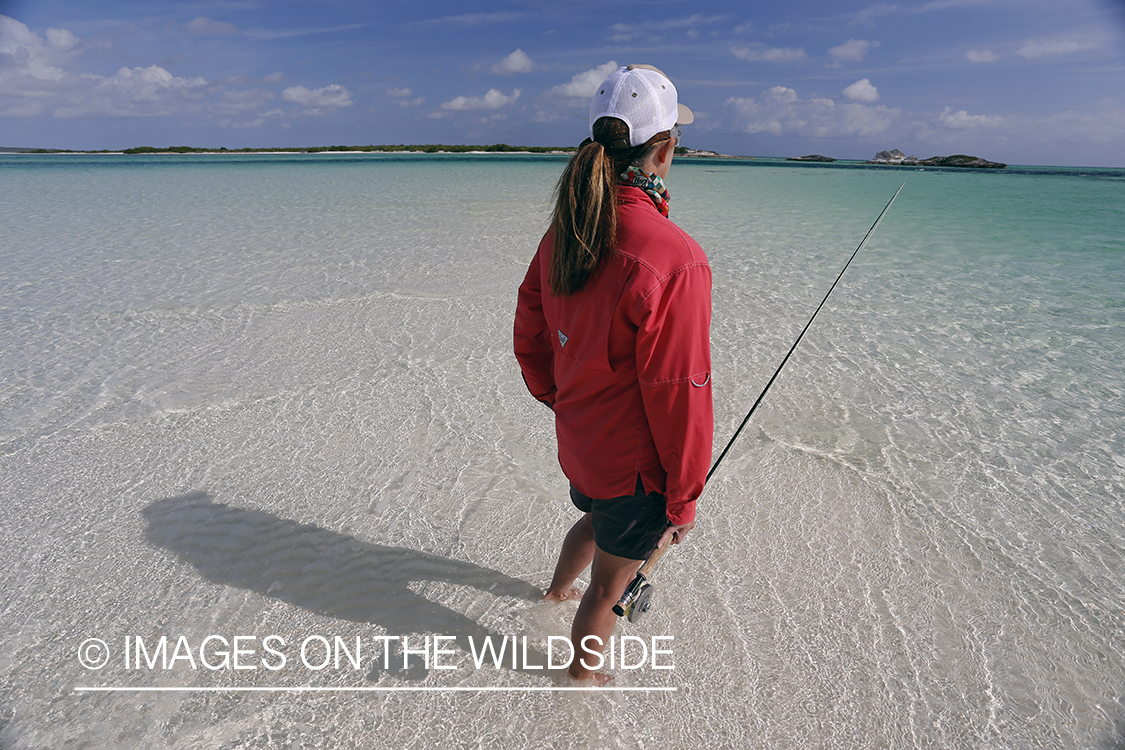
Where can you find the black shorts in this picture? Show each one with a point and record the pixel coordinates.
(628, 526)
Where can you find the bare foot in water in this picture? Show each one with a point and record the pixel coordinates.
(572, 595)
(596, 679)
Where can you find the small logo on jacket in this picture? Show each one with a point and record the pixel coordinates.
(562, 339)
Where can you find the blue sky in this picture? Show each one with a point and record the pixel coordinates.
(1018, 81)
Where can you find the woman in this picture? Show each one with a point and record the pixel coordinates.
(612, 332)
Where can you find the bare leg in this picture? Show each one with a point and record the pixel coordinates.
(608, 579)
(577, 552)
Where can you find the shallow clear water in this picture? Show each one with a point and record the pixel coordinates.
(255, 395)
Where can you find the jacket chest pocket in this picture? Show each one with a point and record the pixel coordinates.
(588, 348)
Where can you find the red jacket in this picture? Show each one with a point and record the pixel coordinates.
(626, 362)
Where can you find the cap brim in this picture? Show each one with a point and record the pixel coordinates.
(685, 117)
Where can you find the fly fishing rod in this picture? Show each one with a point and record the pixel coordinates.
(637, 598)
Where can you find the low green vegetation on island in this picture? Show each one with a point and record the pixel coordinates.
(417, 148)
(430, 148)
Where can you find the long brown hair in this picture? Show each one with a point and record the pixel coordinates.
(585, 215)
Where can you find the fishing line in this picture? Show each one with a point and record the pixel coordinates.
(777, 372)
(637, 598)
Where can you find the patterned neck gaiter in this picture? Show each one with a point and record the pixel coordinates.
(650, 183)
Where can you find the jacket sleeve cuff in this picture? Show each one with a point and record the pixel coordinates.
(682, 514)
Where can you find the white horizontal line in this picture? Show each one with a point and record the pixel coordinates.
(307, 689)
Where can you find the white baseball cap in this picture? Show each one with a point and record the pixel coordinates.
(643, 98)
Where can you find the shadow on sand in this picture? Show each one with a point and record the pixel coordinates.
(321, 570)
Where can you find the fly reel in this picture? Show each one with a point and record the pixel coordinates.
(641, 604)
(637, 598)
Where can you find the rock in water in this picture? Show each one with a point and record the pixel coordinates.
(961, 160)
(894, 156)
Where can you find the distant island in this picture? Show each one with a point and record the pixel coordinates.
(893, 157)
(897, 158)
(429, 148)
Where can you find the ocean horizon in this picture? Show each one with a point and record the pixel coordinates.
(262, 409)
(507, 149)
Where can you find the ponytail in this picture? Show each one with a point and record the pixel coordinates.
(584, 220)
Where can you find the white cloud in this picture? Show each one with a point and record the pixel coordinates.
(134, 92)
(62, 39)
(236, 102)
(1038, 48)
(1106, 128)
(517, 62)
(270, 34)
(853, 50)
(494, 99)
(580, 89)
(657, 30)
(24, 54)
(256, 123)
(35, 78)
(277, 77)
(204, 25)
(861, 91)
(319, 101)
(780, 111)
(867, 16)
(403, 96)
(1065, 137)
(772, 54)
(981, 56)
(542, 115)
(962, 120)
(475, 19)
(781, 95)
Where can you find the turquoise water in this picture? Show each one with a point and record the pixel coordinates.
(304, 362)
